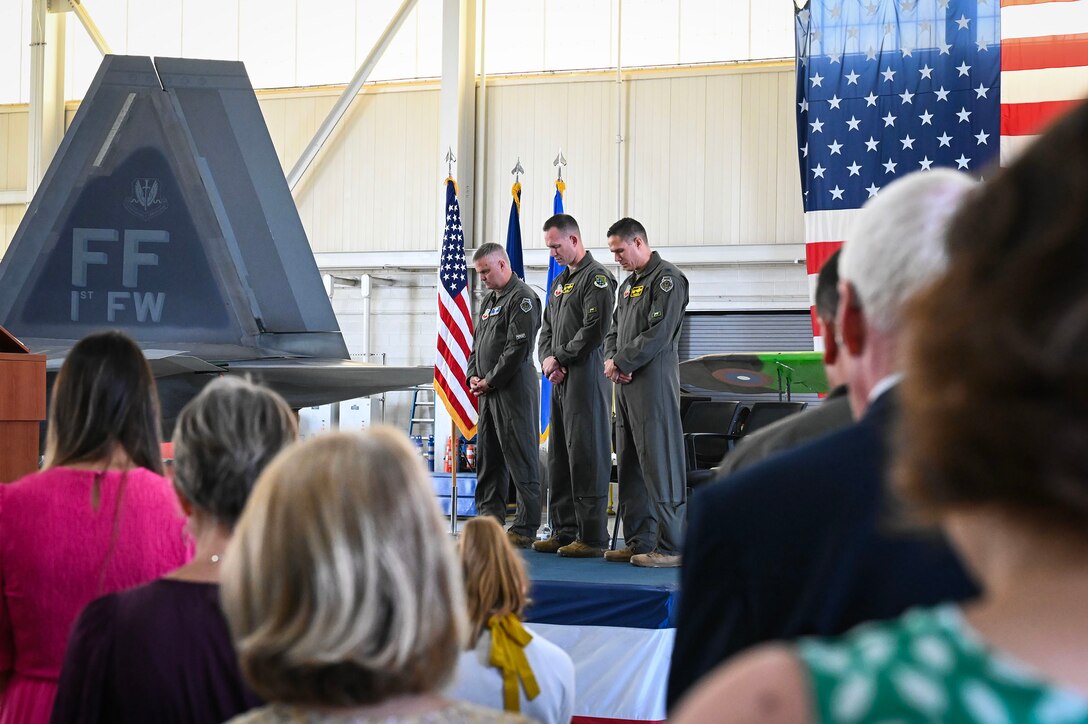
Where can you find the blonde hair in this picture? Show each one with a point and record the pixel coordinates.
(494, 575)
(340, 584)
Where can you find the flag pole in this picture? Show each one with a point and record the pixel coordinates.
(455, 459)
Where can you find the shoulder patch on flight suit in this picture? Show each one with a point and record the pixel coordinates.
(666, 284)
(637, 291)
(656, 314)
(526, 305)
(591, 310)
(519, 337)
(600, 281)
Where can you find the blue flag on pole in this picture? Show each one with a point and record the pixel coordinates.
(553, 272)
(513, 234)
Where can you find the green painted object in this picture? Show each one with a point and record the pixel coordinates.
(756, 372)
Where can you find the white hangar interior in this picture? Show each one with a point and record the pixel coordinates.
(679, 113)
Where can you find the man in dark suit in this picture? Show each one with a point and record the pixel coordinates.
(805, 542)
(832, 414)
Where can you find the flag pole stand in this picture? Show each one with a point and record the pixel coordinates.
(455, 461)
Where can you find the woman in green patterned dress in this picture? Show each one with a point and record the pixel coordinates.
(994, 448)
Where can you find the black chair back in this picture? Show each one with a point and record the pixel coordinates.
(709, 429)
(765, 413)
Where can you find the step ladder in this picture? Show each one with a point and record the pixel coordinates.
(422, 411)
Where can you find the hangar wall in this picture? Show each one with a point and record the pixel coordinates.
(708, 165)
(708, 157)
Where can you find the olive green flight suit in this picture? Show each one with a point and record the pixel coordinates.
(649, 440)
(507, 433)
(576, 320)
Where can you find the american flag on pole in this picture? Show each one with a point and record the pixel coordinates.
(454, 322)
(888, 87)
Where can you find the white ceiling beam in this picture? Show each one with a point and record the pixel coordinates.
(457, 103)
(324, 132)
(682, 256)
(89, 25)
(45, 122)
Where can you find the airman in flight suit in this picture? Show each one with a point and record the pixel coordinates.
(502, 375)
(641, 358)
(571, 350)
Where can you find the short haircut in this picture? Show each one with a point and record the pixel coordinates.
(897, 244)
(627, 229)
(994, 396)
(827, 288)
(494, 575)
(223, 439)
(104, 396)
(565, 223)
(490, 248)
(340, 585)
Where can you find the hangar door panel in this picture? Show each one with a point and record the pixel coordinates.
(719, 332)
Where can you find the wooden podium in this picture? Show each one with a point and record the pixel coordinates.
(22, 407)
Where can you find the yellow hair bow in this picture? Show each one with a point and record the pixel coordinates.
(508, 641)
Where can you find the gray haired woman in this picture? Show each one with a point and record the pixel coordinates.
(162, 652)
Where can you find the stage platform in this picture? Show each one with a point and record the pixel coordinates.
(617, 622)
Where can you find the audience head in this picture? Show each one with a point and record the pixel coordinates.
(827, 307)
(493, 265)
(495, 580)
(223, 439)
(340, 585)
(996, 391)
(629, 245)
(897, 246)
(827, 288)
(104, 403)
(564, 239)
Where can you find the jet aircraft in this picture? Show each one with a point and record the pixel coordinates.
(165, 213)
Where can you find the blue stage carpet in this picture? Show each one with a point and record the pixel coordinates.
(550, 567)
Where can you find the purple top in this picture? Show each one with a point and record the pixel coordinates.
(160, 652)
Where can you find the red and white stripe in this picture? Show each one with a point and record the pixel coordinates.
(606, 691)
(1044, 66)
(825, 232)
(451, 362)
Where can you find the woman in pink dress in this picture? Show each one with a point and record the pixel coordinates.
(99, 518)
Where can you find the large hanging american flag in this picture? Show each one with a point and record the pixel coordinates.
(888, 87)
(454, 322)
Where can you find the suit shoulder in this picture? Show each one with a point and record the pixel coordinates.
(797, 474)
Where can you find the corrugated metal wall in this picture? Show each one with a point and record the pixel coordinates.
(708, 158)
(745, 332)
(378, 186)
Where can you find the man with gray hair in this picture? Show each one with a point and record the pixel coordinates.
(798, 544)
(502, 376)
